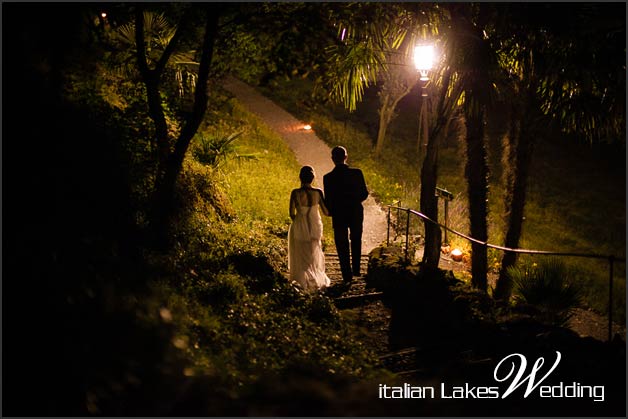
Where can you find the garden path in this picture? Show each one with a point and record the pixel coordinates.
(309, 150)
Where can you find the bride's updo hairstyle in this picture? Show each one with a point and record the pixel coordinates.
(306, 174)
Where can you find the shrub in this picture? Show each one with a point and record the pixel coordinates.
(214, 150)
(549, 287)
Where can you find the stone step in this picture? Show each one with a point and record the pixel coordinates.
(335, 255)
(347, 296)
(350, 301)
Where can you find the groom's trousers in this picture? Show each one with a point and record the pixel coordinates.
(348, 234)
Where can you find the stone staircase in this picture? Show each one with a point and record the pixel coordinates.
(348, 296)
(367, 307)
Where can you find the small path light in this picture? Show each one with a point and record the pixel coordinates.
(456, 255)
(307, 127)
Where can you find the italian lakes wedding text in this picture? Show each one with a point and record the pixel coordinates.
(513, 378)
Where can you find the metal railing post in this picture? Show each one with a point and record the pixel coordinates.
(388, 228)
(446, 217)
(611, 259)
(407, 232)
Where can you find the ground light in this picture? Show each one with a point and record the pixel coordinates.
(456, 255)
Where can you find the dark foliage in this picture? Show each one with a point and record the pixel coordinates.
(460, 334)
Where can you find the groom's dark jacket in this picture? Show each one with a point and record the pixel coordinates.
(345, 190)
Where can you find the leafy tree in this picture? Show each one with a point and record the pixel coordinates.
(396, 83)
(286, 41)
(158, 32)
(172, 150)
(176, 50)
(374, 47)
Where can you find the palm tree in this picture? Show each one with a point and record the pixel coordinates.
(447, 91)
(158, 32)
(476, 65)
(543, 56)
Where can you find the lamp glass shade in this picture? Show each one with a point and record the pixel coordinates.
(424, 57)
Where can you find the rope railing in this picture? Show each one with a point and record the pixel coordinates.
(611, 258)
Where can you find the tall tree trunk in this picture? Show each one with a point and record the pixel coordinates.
(386, 111)
(429, 174)
(429, 201)
(476, 172)
(388, 104)
(164, 191)
(520, 149)
(151, 78)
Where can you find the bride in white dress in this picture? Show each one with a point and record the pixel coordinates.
(306, 260)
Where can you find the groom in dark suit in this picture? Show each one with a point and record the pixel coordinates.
(345, 190)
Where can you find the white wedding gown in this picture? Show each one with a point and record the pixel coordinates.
(306, 260)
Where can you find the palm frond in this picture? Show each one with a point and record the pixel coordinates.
(214, 150)
(548, 287)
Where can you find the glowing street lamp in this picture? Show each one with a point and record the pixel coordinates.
(423, 61)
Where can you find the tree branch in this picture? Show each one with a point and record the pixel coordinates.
(151, 81)
(200, 94)
(142, 63)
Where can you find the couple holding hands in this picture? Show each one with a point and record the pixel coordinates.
(344, 191)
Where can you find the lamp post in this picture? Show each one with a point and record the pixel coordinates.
(423, 61)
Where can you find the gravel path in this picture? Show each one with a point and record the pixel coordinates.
(309, 150)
